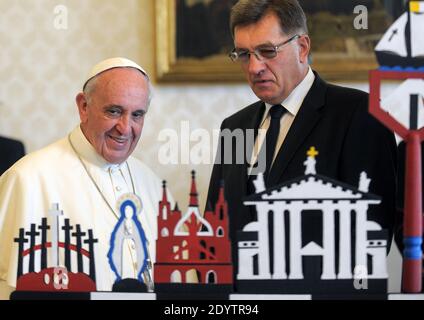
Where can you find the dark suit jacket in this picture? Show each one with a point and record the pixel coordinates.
(10, 152)
(333, 119)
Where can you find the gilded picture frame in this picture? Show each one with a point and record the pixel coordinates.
(169, 68)
(347, 56)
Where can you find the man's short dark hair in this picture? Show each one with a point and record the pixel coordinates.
(291, 15)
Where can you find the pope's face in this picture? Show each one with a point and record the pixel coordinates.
(112, 116)
(272, 80)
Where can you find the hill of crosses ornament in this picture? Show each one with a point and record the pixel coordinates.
(55, 275)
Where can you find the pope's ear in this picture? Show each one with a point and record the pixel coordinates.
(82, 106)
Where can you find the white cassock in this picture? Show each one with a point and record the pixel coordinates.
(55, 174)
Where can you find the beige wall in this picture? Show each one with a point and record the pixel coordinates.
(42, 68)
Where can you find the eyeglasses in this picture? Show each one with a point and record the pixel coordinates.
(261, 53)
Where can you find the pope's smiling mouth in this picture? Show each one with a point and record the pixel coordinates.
(120, 140)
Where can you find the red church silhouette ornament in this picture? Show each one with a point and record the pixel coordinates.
(193, 243)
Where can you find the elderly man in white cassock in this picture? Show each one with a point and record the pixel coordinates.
(86, 172)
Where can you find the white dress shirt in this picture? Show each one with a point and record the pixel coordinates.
(292, 104)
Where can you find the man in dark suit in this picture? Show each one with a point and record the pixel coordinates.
(11, 151)
(272, 46)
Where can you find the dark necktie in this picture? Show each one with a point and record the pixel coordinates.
(276, 112)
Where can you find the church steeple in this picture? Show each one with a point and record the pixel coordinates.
(221, 206)
(193, 193)
(164, 197)
(221, 196)
(164, 205)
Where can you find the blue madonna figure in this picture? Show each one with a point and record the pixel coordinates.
(128, 238)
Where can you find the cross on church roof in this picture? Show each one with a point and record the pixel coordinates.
(310, 161)
(312, 152)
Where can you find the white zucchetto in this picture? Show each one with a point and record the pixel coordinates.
(110, 64)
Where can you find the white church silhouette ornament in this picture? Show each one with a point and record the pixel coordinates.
(271, 249)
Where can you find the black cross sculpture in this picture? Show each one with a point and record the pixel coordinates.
(78, 235)
(67, 229)
(43, 228)
(21, 240)
(32, 236)
(91, 241)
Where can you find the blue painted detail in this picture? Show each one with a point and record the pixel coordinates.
(412, 248)
(398, 68)
(112, 248)
(141, 234)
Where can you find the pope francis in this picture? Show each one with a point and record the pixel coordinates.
(86, 172)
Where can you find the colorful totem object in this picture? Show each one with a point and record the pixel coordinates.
(400, 54)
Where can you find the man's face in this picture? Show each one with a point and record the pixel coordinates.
(112, 117)
(274, 79)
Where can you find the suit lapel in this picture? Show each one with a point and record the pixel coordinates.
(251, 123)
(307, 117)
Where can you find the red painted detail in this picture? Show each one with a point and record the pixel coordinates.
(54, 280)
(413, 215)
(411, 275)
(61, 245)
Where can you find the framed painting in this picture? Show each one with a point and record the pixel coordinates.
(189, 47)
(193, 39)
